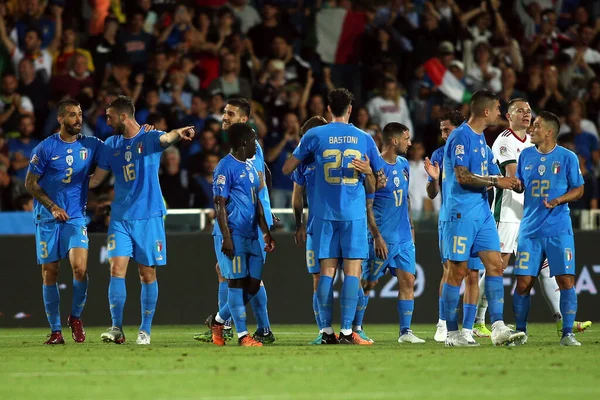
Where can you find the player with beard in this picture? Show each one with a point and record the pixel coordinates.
(58, 176)
(136, 225)
(237, 110)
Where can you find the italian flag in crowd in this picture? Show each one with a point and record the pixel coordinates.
(446, 82)
(338, 31)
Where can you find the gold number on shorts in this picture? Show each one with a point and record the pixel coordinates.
(398, 196)
(459, 246)
(237, 264)
(129, 172)
(337, 165)
(540, 188)
(376, 267)
(68, 172)
(522, 258)
(310, 258)
(111, 242)
(43, 250)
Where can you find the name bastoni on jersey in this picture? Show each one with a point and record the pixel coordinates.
(343, 139)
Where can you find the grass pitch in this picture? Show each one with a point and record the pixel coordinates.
(177, 367)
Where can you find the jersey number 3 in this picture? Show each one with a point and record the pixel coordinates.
(334, 170)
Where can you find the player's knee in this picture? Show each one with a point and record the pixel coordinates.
(565, 282)
(49, 274)
(472, 279)
(79, 271)
(524, 286)
(147, 274)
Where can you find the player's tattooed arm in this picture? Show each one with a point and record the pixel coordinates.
(220, 207)
(33, 187)
(298, 207)
(467, 178)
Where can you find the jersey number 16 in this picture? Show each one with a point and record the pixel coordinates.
(129, 172)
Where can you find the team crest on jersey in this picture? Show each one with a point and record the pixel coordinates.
(140, 147)
(83, 153)
(396, 181)
(159, 246)
(568, 254)
(555, 167)
(84, 231)
(69, 160)
(482, 152)
(542, 169)
(127, 156)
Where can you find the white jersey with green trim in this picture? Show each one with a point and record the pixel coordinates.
(508, 205)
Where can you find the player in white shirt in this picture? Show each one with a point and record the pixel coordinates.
(508, 212)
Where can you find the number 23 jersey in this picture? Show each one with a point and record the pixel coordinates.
(135, 162)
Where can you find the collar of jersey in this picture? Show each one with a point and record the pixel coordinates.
(554, 148)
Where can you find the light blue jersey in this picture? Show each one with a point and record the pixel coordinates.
(304, 176)
(339, 186)
(465, 148)
(64, 170)
(239, 183)
(546, 177)
(391, 203)
(259, 163)
(135, 163)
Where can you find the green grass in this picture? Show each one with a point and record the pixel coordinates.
(177, 367)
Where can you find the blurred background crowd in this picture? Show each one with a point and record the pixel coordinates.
(181, 60)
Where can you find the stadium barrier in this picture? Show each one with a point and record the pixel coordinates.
(188, 285)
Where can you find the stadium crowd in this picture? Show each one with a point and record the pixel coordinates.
(181, 60)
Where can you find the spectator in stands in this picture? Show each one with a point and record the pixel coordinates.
(509, 90)
(245, 13)
(230, 83)
(546, 44)
(271, 26)
(134, 45)
(12, 104)
(151, 106)
(68, 49)
(24, 202)
(582, 49)
(42, 58)
(586, 144)
(198, 113)
(575, 73)
(592, 101)
(158, 121)
(482, 74)
(159, 72)
(78, 77)
(296, 69)
(4, 156)
(203, 196)
(192, 81)
(103, 48)
(34, 18)
(151, 17)
(316, 107)
(577, 107)
(174, 181)
(390, 106)
(589, 200)
(548, 95)
(20, 148)
(419, 202)
(278, 148)
(175, 36)
(176, 95)
(32, 86)
(10, 189)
